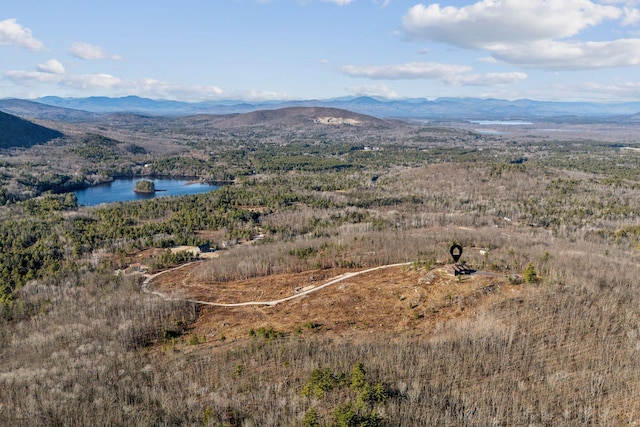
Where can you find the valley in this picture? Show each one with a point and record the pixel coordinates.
(325, 262)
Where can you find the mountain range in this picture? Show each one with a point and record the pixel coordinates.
(415, 108)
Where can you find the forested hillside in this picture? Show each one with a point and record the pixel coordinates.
(17, 132)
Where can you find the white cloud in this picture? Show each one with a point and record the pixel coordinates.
(92, 81)
(625, 2)
(488, 79)
(31, 78)
(530, 33)
(553, 55)
(448, 74)
(12, 33)
(87, 51)
(411, 70)
(373, 90)
(490, 22)
(631, 16)
(151, 88)
(455, 75)
(78, 81)
(52, 66)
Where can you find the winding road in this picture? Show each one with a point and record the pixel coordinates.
(149, 278)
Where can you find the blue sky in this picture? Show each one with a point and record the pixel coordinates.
(194, 50)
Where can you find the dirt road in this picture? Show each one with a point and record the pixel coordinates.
(149, 279)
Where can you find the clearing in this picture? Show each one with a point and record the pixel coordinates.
(339, 302)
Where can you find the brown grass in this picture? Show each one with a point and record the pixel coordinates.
(398, 299)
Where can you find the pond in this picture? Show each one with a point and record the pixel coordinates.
(121, 190)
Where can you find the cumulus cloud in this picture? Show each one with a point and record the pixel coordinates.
(491, 22)
(12, 33)
(411, 70)
(373, 90)
(52, 66)
(529, 33)
(87, 51)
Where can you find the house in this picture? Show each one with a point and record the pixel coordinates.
(136, 267)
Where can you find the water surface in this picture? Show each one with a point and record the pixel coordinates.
(501, 122)
(121, 190)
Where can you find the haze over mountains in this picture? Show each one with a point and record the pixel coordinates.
(416, 108)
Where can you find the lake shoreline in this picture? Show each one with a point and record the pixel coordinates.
(123, 190)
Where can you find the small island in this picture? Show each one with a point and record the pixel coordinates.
(144, 187)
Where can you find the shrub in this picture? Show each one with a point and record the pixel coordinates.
(321, 381)
(530, 275)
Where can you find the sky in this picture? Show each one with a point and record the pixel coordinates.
(260, 50)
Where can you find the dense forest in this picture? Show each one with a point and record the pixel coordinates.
(81, 343)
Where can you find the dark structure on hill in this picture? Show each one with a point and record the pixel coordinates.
(17, 132)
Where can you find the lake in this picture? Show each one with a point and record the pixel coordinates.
(121, 190)
(501, 122)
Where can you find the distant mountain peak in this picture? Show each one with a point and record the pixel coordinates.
(369, 100)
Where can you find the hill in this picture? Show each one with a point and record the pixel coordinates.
(17, 132)
(298, 117)
(407, 299)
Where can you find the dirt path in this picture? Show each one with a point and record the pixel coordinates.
(148, 279)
